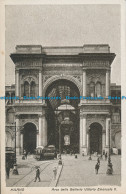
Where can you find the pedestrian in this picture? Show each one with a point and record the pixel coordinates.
(7, 170)
(98, 160)
(106, 156)
(37, 174)
(103, 152)
(101, 156)
(26, 154)
(97, 168)
(83, 153)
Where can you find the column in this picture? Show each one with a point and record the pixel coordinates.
(17, 135)
(107, 83)
(81, 130)
(88, 142)
(103, 141)
(40, 82)
(83, 134)
(84, 82)
(40, 131)
(17, 82)
(44, 130)
(21, 141)
(107, 132)
(37, 138)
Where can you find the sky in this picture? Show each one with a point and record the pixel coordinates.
(62, 25)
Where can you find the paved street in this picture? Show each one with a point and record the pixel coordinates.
(75, 172)
(81, 172)
(26, 169)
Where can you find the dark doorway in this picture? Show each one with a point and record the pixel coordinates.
(60, 109)
(96, 138)
(29, 140)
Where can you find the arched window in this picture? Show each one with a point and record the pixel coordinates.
(10, 116)
(92, 89)
(32, 89)
(26, 88)
(8, 139)
(98, 89)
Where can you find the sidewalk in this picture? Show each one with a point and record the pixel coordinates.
(81, 172)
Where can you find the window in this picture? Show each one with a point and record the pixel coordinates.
(92, 89)
(10, 116)
(26, 88)
(32, 89)
(98, 89)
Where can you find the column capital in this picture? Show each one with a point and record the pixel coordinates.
(21, 131)
(39, 115)
(17, 116)
(84, 69)
(16, 70)
(83, 115)
(107, 70)
(108, 116)
(37, 131)
(40, 70)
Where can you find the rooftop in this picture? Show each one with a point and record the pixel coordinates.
(38, 49)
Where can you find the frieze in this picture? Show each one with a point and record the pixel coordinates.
(56, 72)
(29, 109)
(30, 64)
(96, 63)
(62, 65)
(95, 108)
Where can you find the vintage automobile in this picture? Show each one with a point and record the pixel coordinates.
(10, 156)
(44, 153)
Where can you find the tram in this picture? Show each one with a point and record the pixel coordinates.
(44, 153)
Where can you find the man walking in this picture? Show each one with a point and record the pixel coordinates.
(98, 161)
(37, 174)
(97, 168)
(106, 156)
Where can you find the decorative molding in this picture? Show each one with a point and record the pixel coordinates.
(96, 63)
(46, 77)
(78, 77)
(101, 119)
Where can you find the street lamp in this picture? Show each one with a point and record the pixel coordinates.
(15, 171)
(109, 165)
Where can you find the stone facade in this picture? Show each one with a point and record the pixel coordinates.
(58, 71)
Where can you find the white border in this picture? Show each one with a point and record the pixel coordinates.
(44, 190)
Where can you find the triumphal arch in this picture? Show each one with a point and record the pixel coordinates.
(50, 75)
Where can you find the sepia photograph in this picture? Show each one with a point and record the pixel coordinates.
(63, 95)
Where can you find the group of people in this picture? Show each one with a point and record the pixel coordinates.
(97, 166)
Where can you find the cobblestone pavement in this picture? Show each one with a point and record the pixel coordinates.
(76, 172)
(81, 172)
(26, 169)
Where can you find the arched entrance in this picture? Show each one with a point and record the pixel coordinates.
(29, 137)
(95, 135)
(60, 110)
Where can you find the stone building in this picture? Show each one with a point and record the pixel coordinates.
(59, 72)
